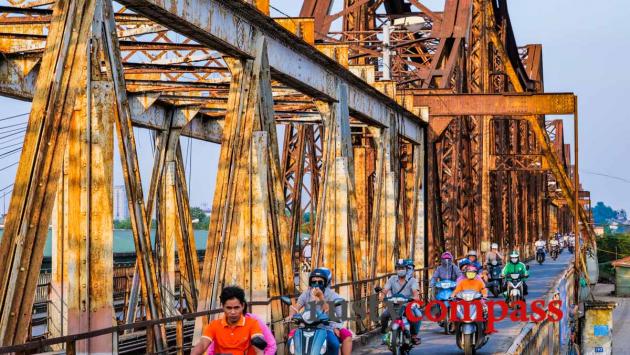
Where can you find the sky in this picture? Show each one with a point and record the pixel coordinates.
(585, 46)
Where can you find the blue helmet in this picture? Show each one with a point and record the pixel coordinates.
(322, 272)
(409, 263)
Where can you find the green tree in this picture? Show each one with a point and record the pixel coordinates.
(122, 224)
(603, 213)
(197, 213)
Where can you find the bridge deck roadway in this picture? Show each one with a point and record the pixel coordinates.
(435, 342)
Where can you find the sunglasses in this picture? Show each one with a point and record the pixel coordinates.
(317, 283)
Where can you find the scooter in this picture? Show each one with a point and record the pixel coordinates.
(571, 248)
(554, 251)
(444, 291)
(398, 337)
(514, 290)
(495, 278)
(540, 255)
(310, 335)
(469, 332)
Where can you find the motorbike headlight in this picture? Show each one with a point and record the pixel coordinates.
(323, 350)
(460, 311)
(307, 317)
(473, 312)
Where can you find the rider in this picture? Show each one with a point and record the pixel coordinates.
(540, 243)
(446, 271)
(473, 283)
(234, 333)
(401, 284)
(553, 243)
(319, 291)
(516, 267)
(494, 255)
(572, 239)
(471, 259)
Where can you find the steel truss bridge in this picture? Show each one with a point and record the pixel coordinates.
(406, 132)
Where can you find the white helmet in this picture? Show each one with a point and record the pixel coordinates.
(494, 246)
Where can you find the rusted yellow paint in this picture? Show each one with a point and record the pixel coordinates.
(365, 72)
(303, 27)
(598, 316)
(387, 87)
(338, 52)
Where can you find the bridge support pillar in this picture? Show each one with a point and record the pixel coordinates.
(248, 241)
(337, 224)
(81, 298)
(385, 210)
(597, 332)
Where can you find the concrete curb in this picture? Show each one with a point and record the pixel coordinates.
(361, 340)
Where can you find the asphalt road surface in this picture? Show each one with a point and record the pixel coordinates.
(435, 342)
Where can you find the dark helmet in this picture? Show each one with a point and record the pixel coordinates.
(400, 263)
(322, 272)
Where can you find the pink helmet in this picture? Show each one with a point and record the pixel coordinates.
(447, 255)
(471, 268)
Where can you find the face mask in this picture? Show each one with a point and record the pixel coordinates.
(471, 275)
(401, 273)
(514, 260)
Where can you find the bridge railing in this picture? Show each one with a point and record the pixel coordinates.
(547, 336)
(179, 344)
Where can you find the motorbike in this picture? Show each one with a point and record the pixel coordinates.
(444, 290)
(398, 337)
(555, 250)
(540, 255)
(514, 290)
(310, 335)
(571, 248)
(469, 334)
(495, 279)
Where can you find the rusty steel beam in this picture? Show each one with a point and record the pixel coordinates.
(220, 24)
(497, 104)
(40, 165)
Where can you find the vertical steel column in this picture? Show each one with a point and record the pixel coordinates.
(61, 79)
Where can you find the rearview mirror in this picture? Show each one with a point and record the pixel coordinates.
(286, 300)
(378, 289)
(527, 267)
(339, 302)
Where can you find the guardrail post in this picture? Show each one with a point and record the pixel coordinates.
(180, 337)
(71, 347)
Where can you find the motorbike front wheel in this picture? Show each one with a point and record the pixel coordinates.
(467, 344)
(395, 343)
(495, 291)
(447, 323)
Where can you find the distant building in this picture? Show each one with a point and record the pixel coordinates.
(206, 209)
(599, 230)
(121, 208)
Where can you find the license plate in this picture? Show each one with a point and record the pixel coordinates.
(599, 349)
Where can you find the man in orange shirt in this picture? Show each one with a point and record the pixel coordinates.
(234, 334)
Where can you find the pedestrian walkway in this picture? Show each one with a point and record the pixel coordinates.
(435, 342)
